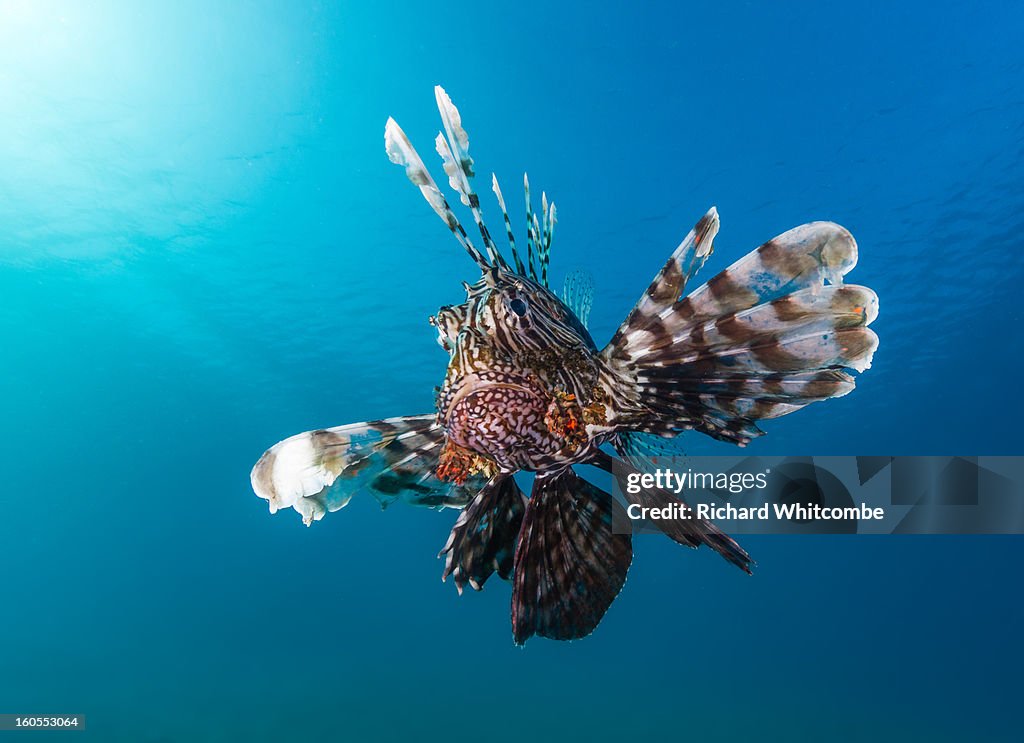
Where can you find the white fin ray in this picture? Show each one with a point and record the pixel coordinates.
(459, 167)
(401, 152)
(531, 229)
(548, 211)
(452, 145)
(318, 472)
(520, 268)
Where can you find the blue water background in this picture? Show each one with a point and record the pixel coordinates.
(203, 249)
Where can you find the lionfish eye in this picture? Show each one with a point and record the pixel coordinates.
(518, 306)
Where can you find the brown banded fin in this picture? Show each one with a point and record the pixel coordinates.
(569, 565)
(319, 471)
(667, 287)
(775, 331)
(483, 540)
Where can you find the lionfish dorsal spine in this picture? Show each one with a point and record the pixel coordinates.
(401, 152)
(520, 268)
(452, 144)
(544, 254)
(540, 252)
(531, 222)
(453, 147)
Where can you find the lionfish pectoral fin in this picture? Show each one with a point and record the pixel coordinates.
(692, 532)
(319, 471)
(763, 338)
(638, 446)
(483, 540)
(569, 564)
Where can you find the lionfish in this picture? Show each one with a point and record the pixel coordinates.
(527, 389)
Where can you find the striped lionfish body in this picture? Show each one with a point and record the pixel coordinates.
(527, 389)
(523, 388)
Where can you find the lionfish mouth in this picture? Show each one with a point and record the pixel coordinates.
(495, 416)
(476, 390)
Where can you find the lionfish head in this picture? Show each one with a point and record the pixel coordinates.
(513, 313)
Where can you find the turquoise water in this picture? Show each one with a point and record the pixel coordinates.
(203, 249)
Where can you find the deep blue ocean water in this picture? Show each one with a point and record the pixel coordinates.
(203, 249)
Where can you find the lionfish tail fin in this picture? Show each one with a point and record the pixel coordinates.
(569, 565)
(763, 338)
(483, 540)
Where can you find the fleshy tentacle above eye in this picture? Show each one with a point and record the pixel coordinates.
(394, 459)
